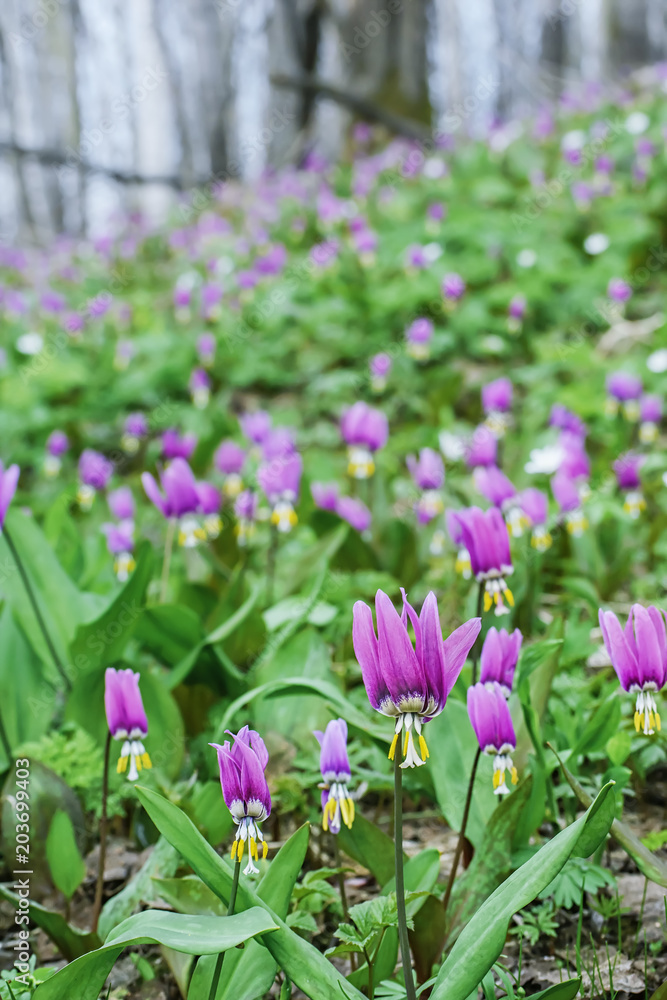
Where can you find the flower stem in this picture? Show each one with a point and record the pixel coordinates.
(230, 913)
(166, 562)
(400, 885)
(462, 834)
(99, 887)
(32, 597)
(343, 894)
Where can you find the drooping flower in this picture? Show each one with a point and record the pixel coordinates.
(453, 287)
(418, 338)
(650, 415)
(245, 509)
(56, 445)
(120, 543)
(210, 502)
(355, 512)
(566, 420)
(175, 445)
(9, 478)
(626, 469)
(516, 311)
(206, 349)
(486, 538)
(568, 499)
(428, 474)
(619, 290)
(121, 503)
(337, 802)
(95, 471)
(575, 463)
(364, 430)
(639, 656)
(256, 426)
(325, 495)
(496, 403)
(455, 532)
(625, 389)
(535, 505)
(490, 718)
(246, 792)
(380, 366)
(279, 443)
(200, 388)
(136, 428)
(406, 683)
(229, 459)
(126, 719)
(280, 481)
(482, 449)
(180, 499)
(500, 654)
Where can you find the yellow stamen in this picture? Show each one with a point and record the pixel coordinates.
(510, 597)
(265, 849)
(137, 761)
(241, 848)
(498, 778)
(235, 847)
(639, 721)
(515, 776)
(349, 806)
(658, 724)
(423, 749)
(392, 748)
(121, 766)
(344, 812)
(253, 848)
(146, 761)
(406, 742)
(488, 601)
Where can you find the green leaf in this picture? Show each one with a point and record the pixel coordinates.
(169, 631)
(143, 888)
(561, 991)
(370, 847)
(420, 874)
(102, 641)
(85, 977)
(483, 938)
(71, 941)
(648, 864)
(68, 869)
(303, 963)
(453, 747)
(291, 609)
(601, 726)
(28, 700)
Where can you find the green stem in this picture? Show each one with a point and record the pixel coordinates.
(400, 885)
(166, 562)
(99, 888)
(230, 913)
(271, 564)
(369, 963)
(462, 834)
(35, 607)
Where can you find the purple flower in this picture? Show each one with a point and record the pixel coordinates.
(428, 471)
(181, 298)
(280, 481)
(179, 500)
(625, 388)
(95, 471)
(627, 469)
(335, 768)
(272, 262)
(325, 495)
(210, 501)
(211, 297)
(176, 446)
(650, 415)
(493, 484)
(406, 683)
(200, 388)
(575, 463)
(568, 499)
(453, 286)
(121, 503)
(419, 336)
(9, 478)
(245, 791)
(245, 509)
(486, 538)
(490, 718)
(365, 430)
(567, 421)
(500, 654)
(57, 443)
(639, 656)
(120, 543)
(455, 532)
(355, 512)
(136, 425)
(516, 310)
(497, 396)
(619, 290)
(126, 719)
(206, 348)
(436, 211)
(256, 426)
(229, 458)
(279, 443)
(380, 366)
(535, 505)
(482, 449)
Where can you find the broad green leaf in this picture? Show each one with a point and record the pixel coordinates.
(370, 847)
(649, 864)
(292, 608)
(303, 963)
(68, 868)
(561, 991)
(189, 895)
(85, 977)
(163, 861)
(601, 726)
(28, 700)
(420, 874)
(453, 746)
(483, 938)
(103, 640)
(71, 941)
(169, 631)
